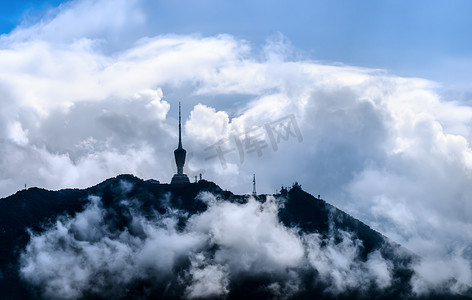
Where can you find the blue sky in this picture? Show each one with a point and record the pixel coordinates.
(13, 13)
(421, 38)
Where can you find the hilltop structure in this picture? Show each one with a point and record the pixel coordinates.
(179, 154)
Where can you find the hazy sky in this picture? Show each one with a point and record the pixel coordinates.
(375, 96)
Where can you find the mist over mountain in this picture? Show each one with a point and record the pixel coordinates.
(126, 238)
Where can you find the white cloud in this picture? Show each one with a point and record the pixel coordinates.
(74, 20)
(87, 253)
(79, 106)
(338, 263)
(270, 245)
(206, 125)
(109, 247)
(427, 278)
(208, 280)
(17, 134)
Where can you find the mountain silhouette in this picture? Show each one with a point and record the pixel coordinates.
(127, 238)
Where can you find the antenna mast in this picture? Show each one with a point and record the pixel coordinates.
(180, 130)
(254, 185)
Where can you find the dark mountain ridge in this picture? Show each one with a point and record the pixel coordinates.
(34, 211)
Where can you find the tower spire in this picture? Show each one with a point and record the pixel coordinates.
(180, 130)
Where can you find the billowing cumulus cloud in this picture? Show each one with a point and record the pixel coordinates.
(78, 106)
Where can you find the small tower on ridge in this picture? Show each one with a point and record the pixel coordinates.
(254, 185)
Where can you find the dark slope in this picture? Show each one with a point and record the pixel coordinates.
(37, 209)
(29, 210)
(316, 215)
(312, 214)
